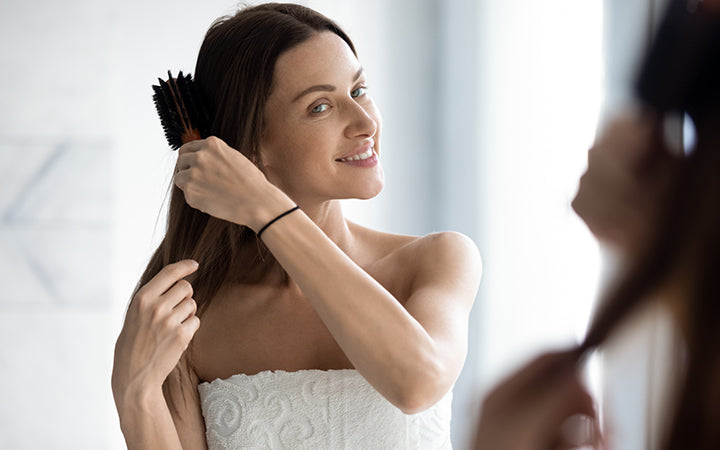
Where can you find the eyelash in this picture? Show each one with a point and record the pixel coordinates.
(359, 88)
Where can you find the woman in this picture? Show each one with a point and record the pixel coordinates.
(671, 244)
(544, 404)
(289, 297)
(660, 211)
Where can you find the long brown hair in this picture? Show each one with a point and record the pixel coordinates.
(234, 75)
(684, 248)
(687, 240)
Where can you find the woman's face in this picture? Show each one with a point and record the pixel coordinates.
(322, 129)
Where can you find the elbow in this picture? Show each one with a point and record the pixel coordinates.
(422, 391)
(414, 405)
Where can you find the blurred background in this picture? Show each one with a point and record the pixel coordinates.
(489, 108)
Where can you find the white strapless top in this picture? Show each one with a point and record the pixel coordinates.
(315, 409)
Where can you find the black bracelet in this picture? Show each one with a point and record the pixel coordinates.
(276, 219)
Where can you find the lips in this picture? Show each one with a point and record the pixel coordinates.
(368, 161)
(359, 154)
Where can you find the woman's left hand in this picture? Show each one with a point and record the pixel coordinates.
(221, 181)
(541, 406)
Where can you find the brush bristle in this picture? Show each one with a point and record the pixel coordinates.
(181, 110)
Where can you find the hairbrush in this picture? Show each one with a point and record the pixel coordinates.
(182, 113)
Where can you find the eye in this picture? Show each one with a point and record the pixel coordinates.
(322, 107)
(359, 92)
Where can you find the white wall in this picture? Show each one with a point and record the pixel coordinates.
(540, 94)
(83, 167)
(56, 224)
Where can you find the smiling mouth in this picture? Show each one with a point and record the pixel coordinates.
(359, 157)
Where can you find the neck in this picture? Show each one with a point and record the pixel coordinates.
(328, 216)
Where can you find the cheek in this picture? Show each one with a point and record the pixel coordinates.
(281, 160)
(279, 146)
(289, 158)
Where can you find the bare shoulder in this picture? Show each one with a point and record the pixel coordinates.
(450, 242)
(379, 243)
(446, 255)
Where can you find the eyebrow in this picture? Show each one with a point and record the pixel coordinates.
(324, 87)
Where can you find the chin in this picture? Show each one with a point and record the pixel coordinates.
(371, 191)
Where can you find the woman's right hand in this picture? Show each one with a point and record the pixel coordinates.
(159, 324)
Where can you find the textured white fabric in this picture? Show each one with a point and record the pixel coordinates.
(315, 409)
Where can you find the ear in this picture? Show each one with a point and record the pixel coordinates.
(266, 163)
(263, 159)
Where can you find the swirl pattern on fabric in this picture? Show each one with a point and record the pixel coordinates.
(315, 409)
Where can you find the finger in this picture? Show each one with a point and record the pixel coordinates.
(579, 431)
(185, 161)
(578, 399)
(189, 327)
(526, 384)
(168, 276)
(182, 178)
(542, 370)
(183, 310)
(568, 399)
(183, 334)
(546, 398)
(191, 147)
(179, 291)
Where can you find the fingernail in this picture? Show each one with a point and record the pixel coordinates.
(195, 263)
(578, 430)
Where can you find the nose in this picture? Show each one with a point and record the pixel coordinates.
(360, 123)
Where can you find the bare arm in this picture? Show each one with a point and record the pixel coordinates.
(146, 422)
(181, 393)
(158, 327)
(410, 354)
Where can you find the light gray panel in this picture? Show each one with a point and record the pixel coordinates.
(56, 379)
(55, 223)
(65, 266)
(19, 166)
(55, 68)
(410, 132)
(68, 182)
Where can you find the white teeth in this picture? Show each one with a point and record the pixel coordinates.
(359, 157)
